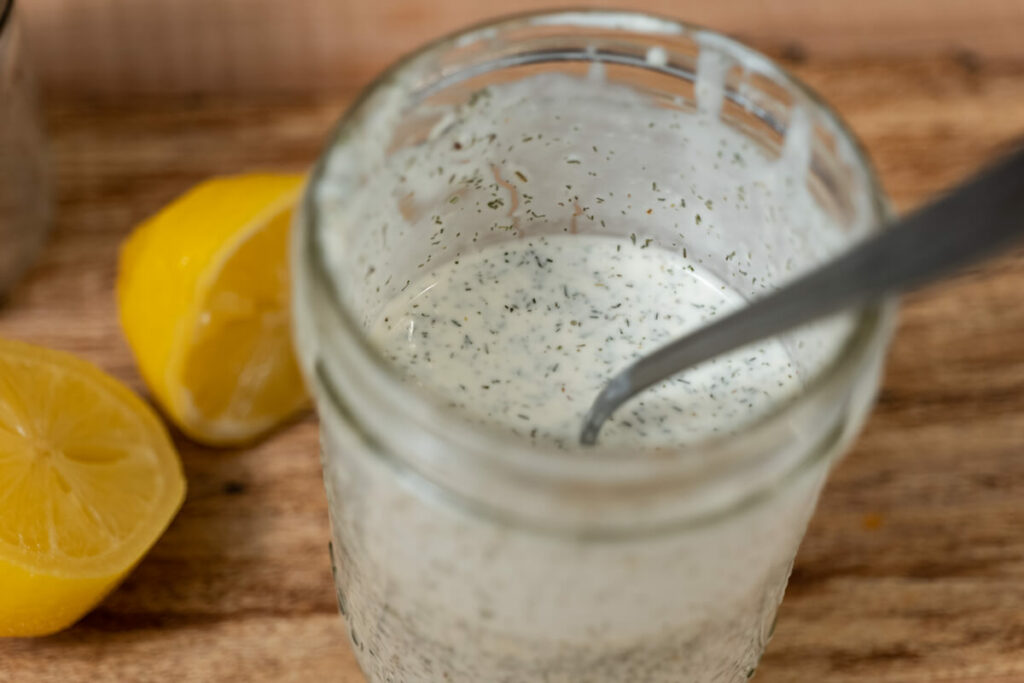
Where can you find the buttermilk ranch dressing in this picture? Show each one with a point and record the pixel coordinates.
(522, 335)
(543, 234)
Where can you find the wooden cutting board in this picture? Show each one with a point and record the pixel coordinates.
(913, 568)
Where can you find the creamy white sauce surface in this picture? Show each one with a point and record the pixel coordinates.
(522, 335)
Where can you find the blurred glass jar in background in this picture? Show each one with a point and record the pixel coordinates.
(25, 197)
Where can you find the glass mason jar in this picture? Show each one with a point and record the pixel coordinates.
(25, 204)
(462, 553)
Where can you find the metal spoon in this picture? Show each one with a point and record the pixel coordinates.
(972, 221)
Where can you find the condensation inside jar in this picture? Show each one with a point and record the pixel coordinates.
(527, 233)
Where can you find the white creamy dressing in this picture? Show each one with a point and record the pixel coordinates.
(522, 335)
(671, 216)
(533, 241)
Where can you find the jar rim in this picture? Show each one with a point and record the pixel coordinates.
(508, 455)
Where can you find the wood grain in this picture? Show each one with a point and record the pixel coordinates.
(912, 570)
(161, 46)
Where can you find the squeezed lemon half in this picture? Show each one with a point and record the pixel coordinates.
(89, 479)
(203, 292)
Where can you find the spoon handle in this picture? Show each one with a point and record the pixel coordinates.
(970, 222)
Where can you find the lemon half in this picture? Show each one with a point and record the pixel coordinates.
(203, 292)
(89, 480)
